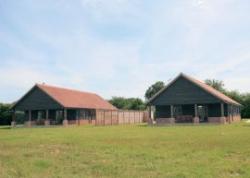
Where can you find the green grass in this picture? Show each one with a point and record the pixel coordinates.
(126, 151)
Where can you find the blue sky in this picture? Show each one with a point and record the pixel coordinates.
(120, 47)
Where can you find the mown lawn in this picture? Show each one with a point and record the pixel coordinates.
(126, 151)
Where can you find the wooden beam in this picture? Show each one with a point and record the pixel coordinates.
(195, 110)
(222, 109)
(13, 122)
(47, 114)
(172, 111)
(150, 112)
(13, 116)
(65, 114)
(29, 115)
(77, 117)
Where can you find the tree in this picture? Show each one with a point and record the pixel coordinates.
(153, 89)
(128, 103)
(136, 104)
(5, 114)
(217, 84)
(245, 112)
(235, 95)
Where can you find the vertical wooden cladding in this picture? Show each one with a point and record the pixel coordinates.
(36, 99)
(116, 117)
(183, 91)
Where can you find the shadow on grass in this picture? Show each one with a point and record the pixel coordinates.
(181, 125)
(5, 127)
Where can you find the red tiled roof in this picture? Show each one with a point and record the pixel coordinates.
(202, 85)
(76, 99)
(212, 91)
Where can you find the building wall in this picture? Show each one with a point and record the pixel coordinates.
(36, 99)
(71, 114)
(183, 91)
(214, 110)
(188, 110)
(162, 111)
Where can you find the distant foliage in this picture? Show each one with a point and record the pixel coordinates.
(217, 84)
(246, 103)
(242, 98)
(5, 114)
(153, 89)
(128, 103)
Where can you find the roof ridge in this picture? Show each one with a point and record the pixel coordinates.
(75, 98)
(62, 88)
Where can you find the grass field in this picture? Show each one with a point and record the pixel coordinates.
(126, 151)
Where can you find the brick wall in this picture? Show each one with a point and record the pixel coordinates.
(161, 121)
(221, 120)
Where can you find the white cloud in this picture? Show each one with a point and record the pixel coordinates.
(23, 77)
(174, 38)
(112, 10)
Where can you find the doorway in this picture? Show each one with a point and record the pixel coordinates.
(203, 113)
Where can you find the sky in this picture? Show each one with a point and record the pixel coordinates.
(121, 47)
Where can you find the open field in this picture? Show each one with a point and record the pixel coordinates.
(126, 151)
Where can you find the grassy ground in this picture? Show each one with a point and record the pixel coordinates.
(126, 151)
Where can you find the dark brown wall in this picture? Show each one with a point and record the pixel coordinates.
(36, 99)
(162, 111)
(214, 110)
(183, 91)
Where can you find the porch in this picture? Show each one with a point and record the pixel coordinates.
(191, 113)
(59, 117)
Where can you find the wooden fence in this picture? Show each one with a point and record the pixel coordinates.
(113, 117)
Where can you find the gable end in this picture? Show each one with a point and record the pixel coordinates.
(183, 91)
(36, 99)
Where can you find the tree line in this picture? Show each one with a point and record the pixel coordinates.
(139, 104)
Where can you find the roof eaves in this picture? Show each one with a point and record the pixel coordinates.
(195, 81)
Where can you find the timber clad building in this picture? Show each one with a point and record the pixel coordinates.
(183, 100)
(186, 99)
(45, 105)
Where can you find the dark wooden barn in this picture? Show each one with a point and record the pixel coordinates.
(45, 105)
(186, 99)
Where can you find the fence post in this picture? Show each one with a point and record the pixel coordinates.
(104, 117)
(134, 117)
(117, 120)
(96, 117)
(111, 118)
